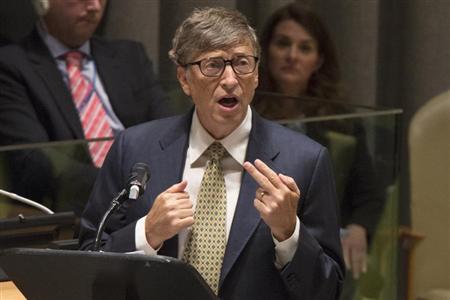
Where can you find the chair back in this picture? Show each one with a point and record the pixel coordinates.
(429, 146)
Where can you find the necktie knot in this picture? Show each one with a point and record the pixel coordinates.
(73, 59)
(215, 151)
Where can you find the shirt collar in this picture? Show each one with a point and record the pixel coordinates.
(235, 143)
(58, 49)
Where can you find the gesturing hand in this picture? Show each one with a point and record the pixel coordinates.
(276, 199)
(171, 212)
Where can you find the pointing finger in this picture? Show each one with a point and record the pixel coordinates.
(258, 176)
(290, 183)
(268, 173)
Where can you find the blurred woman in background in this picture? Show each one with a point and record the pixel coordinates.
(298, 59)
(299, 62)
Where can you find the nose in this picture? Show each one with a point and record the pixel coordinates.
(94, 5)
(228, 79)
(292, 52)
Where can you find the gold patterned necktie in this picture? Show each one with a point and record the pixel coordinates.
(205, 246)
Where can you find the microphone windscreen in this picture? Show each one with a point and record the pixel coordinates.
(138, 179)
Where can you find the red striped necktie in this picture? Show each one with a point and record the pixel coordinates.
(90, 108)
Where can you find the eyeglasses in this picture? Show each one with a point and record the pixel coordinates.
(214, 66)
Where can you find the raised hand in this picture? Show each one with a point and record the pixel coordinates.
(276, 199)
(171, 212)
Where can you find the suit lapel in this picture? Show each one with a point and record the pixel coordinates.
(246, 217)
(170, 162)
(45, 67)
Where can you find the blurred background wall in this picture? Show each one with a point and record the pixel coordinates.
(393, 53)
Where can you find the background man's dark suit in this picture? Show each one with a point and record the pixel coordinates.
(36, 106)
(248, 270)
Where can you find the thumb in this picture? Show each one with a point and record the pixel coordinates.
(177, 187)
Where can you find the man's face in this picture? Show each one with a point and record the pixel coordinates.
(221, 102)
(73, 22)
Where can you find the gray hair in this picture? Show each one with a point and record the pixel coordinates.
(209, 29)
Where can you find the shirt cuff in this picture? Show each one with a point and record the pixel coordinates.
(285, 250)
(141, 239)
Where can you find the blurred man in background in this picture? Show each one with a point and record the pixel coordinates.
(40, 100)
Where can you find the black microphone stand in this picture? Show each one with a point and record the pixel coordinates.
(135, 188)
(115, 204)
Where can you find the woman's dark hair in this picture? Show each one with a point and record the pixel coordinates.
(325, 82)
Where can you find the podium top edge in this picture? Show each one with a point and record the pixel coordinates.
(97, 255)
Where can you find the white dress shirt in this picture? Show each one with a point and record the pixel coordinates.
(232, 166)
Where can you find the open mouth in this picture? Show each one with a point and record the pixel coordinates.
(228, 102)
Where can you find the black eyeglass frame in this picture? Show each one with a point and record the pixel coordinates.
(225, 63)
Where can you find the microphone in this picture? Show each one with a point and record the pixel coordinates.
(135, 187)
(138, 180)
(26, 201)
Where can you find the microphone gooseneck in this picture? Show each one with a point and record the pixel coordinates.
(115, 204)
(135, 187)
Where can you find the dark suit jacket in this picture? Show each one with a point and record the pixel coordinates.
(248, 270)
(36, 105)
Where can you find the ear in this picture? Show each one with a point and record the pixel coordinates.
(182, 79)
(256, 79)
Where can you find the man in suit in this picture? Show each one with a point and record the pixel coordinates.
(37, 102)
(273, 205)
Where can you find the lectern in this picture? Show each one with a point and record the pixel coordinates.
(49, 274)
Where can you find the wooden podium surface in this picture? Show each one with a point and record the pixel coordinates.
(8, 291)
